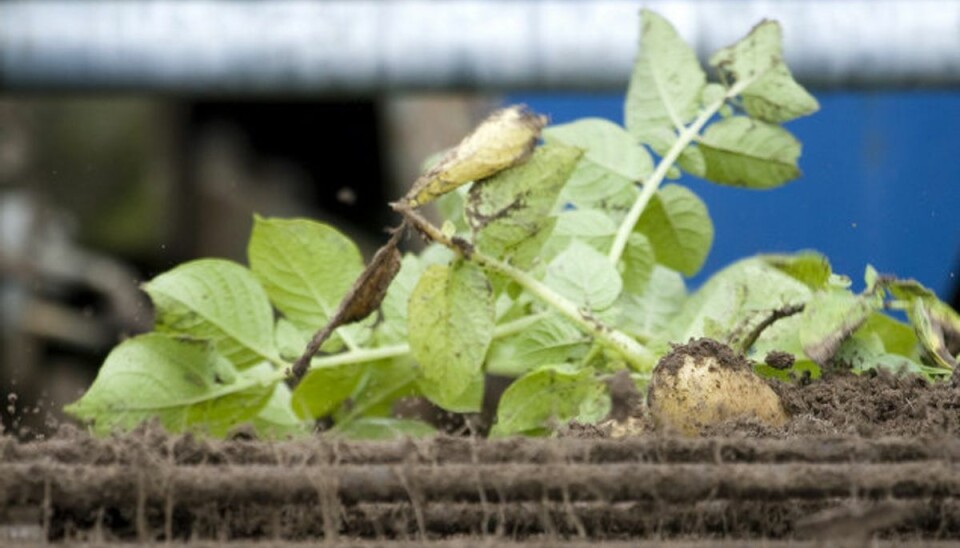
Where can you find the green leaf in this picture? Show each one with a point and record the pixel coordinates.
(549, 341)
(828, 319)
(773, 95)
(864, 351)
(451, 321)
(277, 419)
(306, 267)
(712, 93)
(590, 226)
(291, 340)
(678, 226)
(607, 174)
(809, 267)
(585, 276)
(324, 389)
(749, 153)
(667, 80)
(510, 212)
(897, 337)
(392, 328)
(383, 428)
(591, 186)
(381, 384)
(908, 290)
(607, 146)
(639, 258)
(185, 383)
(468, 401)
(217, 300)
(548, 397)
(648, 315)
(662, 140)
(736, 300)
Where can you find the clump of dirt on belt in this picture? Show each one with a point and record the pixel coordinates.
(872, 404)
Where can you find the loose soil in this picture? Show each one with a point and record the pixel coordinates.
(868, 459)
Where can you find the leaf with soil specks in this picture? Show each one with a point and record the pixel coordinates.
(585, 276)
(666, 83)
(548, 397)
(679, 228)
(450, 320)
(773, 95)
(217, 300)
(506, 138)
(829, 318)
(185, 383)
(749, 153)
(613, 163)
(590, 226)
(606, 144)
(510, 213)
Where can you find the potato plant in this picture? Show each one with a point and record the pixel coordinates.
(560, 261)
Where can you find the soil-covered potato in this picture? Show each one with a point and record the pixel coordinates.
(705, 383)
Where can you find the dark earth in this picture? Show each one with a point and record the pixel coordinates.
(865, 460)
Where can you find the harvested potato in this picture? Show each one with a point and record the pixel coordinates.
(704, 383)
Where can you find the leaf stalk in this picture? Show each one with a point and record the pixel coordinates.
(652, 184)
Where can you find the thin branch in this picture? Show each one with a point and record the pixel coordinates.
(363, 298)
(775, 316)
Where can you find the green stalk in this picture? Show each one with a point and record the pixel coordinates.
(365, 355)
(636, 355)
(652, 184)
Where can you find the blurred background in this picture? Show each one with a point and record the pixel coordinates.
(135, 135)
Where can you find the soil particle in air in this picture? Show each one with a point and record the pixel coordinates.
(779, 360)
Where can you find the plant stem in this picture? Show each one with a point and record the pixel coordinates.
(364, 355)
(652, 184)
(638, 356)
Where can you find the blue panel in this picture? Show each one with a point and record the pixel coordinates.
(881, 185)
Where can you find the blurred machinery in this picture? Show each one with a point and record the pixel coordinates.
(60, 303)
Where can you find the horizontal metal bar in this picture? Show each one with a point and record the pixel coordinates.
(365, 46)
